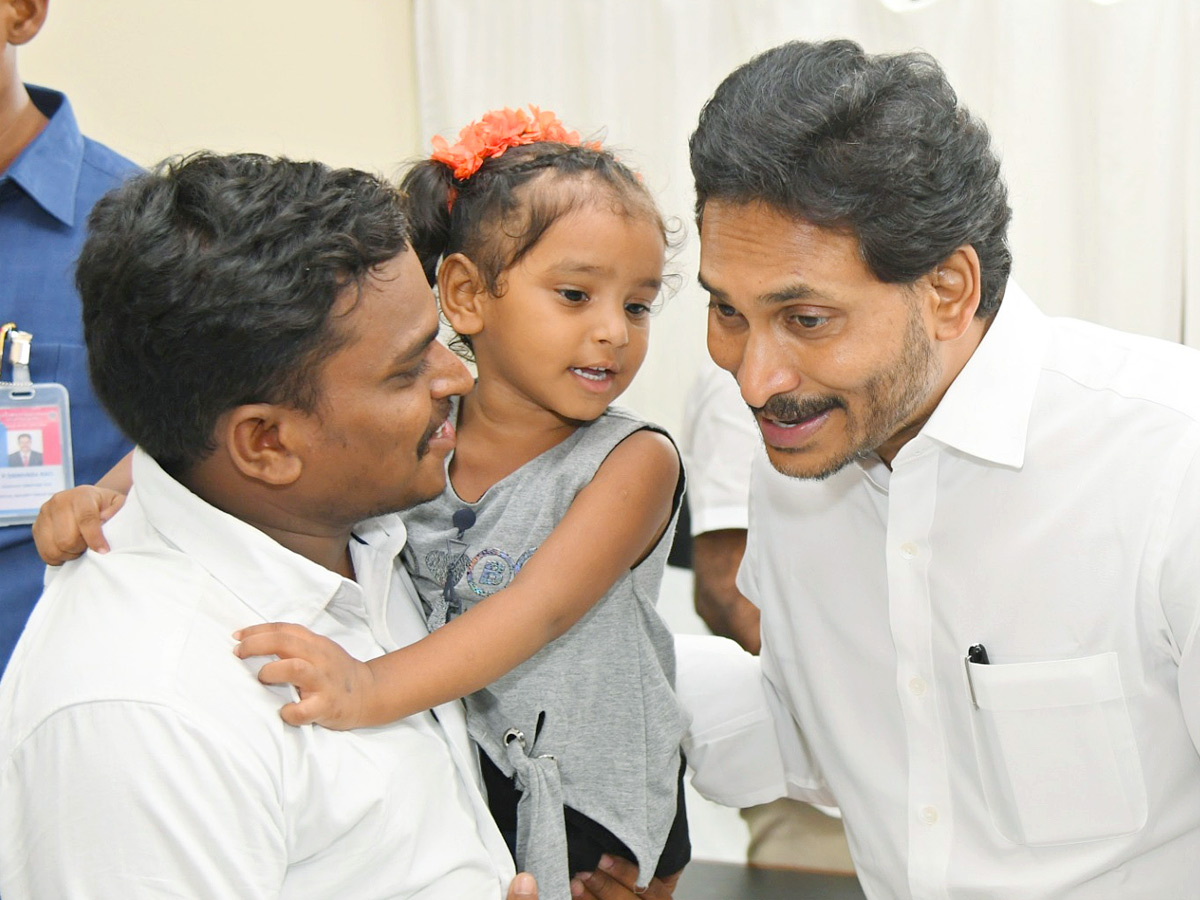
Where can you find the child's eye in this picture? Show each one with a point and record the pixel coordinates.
(573, 295)
(637, 310)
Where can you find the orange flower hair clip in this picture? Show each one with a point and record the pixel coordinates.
(494, 133)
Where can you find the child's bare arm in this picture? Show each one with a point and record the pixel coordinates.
(612, 524)
(70, 521)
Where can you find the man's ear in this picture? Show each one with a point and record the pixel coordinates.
(23, 19)
(264, 442)
(956, 287)
(461, 291)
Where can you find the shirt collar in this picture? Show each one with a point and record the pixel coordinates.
(48, 169)
(985, 412)
(271, 580)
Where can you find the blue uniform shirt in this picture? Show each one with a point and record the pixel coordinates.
(45, 197)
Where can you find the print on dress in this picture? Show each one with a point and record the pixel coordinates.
(488, 571)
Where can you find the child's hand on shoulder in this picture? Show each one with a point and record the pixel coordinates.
(70, 523)
(335, 688)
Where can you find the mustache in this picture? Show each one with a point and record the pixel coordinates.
(785, 408)
(443, 409)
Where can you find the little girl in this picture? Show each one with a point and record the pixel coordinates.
(539, 565)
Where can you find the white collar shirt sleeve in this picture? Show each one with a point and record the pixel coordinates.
(736, 750)
(141, 758)
(719, 440)
(1049, 510)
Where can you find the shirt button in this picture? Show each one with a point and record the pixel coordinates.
(929, 815)
(917, 686)
(909, 550)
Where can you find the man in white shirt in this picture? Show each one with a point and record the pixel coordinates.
(719, 441)
(974, 548)
(262, 331)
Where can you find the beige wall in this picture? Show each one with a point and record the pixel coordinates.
(309, 79)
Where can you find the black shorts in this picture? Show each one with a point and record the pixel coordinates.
(586, 839)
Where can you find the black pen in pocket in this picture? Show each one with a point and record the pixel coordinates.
(977, 654)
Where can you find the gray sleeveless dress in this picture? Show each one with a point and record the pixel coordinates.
(591, 720)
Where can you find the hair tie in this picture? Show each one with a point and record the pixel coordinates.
(494, 133)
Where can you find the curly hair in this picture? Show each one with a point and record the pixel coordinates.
(875, 145)
(209, 283)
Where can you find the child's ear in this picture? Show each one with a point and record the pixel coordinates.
(259, 438)
(461, 291)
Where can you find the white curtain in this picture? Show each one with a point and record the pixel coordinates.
(1094, 108)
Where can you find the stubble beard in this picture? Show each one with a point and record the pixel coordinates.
(893, 395)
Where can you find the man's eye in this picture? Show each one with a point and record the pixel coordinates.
(810, 321)
(573, 295)
(724, 310)
(410, 375)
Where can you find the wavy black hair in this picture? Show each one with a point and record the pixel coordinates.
(877, 146)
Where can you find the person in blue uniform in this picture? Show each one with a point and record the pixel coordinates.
(50, 176)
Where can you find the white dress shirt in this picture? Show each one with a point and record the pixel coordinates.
(1050, 511)
(719, 440)
(140, 758)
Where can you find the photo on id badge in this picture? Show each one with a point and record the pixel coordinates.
(35, 435)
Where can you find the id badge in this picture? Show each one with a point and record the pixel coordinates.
(35, 438)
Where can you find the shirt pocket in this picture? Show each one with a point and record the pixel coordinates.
(1056, 750)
